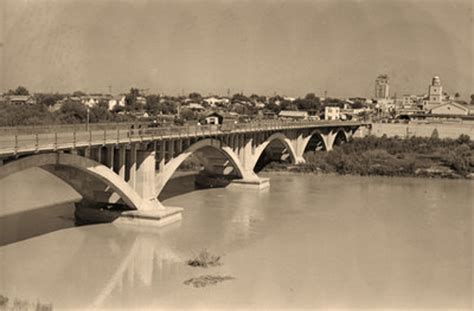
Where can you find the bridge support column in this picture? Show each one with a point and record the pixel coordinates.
(299, 145)
(249, 178)
(329, 140)
(145, 175)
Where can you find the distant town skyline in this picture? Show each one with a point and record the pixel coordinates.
(291, 48)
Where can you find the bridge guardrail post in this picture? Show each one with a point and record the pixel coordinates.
(74, 138)
(55, 141)
(36, 142)
(15, 148)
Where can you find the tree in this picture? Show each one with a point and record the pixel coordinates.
(21, 90)
(463, 139)
(100, 112)
(47, 100)
(187, 114)
(357, 105)
(472, 99)
(310, 96)
(72, 112)
(195, 96)
(131, 103)
(153, 105)
(434, 135)
(79, 94)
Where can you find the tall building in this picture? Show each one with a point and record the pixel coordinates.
(382, 87)
(435, 91)
(435, 95)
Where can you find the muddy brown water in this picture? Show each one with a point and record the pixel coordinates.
(307, 242)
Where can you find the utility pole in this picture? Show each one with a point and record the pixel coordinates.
(88, 118)
(110, 89)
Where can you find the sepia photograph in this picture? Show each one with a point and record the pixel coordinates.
(236, 155)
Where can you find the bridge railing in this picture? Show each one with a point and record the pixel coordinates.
(64, 139)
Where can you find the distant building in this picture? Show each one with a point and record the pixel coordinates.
(382, 87)
(267, 114)
(90, 101)
(117, 101)
(195, 107)
(141, 100)
(20, 99)
(215, 101)
(332, 113)
(221, 118)
(450, 108)
(435, 96)
(293, 114)
(410, 101)
(435, 91)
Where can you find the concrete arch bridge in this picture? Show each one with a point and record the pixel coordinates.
(127, 168)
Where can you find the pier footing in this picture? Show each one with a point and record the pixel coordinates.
(99, 213)
(260, 183)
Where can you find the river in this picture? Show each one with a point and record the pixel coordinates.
(309, 241)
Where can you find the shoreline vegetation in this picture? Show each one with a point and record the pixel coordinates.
(430, 157)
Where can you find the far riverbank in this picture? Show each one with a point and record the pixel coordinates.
(391, 156)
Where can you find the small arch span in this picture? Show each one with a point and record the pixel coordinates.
(341, 137)
(107, 176)
(282, 139)
(171, 167)
(316, 141)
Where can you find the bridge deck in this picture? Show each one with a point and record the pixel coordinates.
(14, 144)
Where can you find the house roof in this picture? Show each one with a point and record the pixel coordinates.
(293, 113)
(19, 98)
(195, 106)
(457, 105)
(223, 114)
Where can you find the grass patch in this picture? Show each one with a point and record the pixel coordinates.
(22, 304)
(204, 259)
(205, 280)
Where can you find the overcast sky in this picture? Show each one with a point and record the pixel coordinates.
(288, 47)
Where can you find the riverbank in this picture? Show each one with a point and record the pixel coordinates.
(423, 129)
(391, 156)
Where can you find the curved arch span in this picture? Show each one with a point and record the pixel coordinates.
(91, 167)
(341, 137)
(173, 165)
(312, 135)
(276, 136)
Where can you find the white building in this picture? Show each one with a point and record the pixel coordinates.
(117, 101)
(214, 101)
(382, 87)
(450, 108)
(293, 114)
(435, 96)
(332, 113)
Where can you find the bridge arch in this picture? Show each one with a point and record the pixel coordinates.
(316, 140)
(341, 137)
(173, 164)
(276, 136)
(88, 166)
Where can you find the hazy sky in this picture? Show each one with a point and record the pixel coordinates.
(288, 47)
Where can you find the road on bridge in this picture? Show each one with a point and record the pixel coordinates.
(66, 138)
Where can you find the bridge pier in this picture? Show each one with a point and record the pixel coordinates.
(138, 165)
